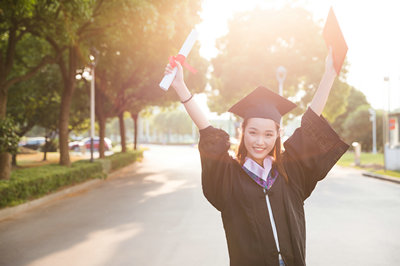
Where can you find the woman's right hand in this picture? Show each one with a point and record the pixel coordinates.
(178, 82)
(184, 94)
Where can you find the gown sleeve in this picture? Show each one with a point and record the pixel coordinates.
(310, 153)
(216, 166)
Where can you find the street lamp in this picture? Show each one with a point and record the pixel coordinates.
(93, 58)
(280, 76)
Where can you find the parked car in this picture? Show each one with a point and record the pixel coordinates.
(74, 145)
(33, 143)
(85, 144)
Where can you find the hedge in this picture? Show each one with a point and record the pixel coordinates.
(31, 183)
(119, 160)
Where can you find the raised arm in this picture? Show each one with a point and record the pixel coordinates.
(324, 88)
(185, 96)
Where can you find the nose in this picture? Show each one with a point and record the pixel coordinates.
(259, 140)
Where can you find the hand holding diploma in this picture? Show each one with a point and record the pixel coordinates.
(185, 96)
(183, 53)
(178, 82)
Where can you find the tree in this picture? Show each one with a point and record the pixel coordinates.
(130, 69)
(173, 122)
(148, 95)
(36, 102)
(17, 65)
(357, 127)
(355, 100)
(68, 26)
(257, 43)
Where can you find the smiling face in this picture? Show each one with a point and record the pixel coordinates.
(259, 138)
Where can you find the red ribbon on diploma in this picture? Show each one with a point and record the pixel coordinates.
(181, 59)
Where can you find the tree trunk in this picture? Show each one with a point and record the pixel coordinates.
(135, 134)
(5, 158)
(102, 129)
(122, 131)
(14, 160)
(63, 126)
(3, 102)
(5, 166)
(46, 144)
(66, 98)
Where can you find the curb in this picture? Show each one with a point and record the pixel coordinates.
(382, 177)
(9, 212)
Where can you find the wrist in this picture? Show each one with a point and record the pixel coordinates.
(182, 91)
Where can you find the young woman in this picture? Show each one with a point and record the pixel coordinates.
(261, 193)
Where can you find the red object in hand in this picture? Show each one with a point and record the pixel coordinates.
(181, 59)
(333, 37)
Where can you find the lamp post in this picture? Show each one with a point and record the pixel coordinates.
(372, 118)
(93, 59)
(280, 76)
(388, 111)
(385, 125)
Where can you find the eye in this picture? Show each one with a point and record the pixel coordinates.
(252, 133)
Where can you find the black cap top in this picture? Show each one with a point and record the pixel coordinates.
(262, 103)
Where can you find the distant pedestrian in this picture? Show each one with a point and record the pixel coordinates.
(261, 192)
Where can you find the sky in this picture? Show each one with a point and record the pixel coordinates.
(370, 28)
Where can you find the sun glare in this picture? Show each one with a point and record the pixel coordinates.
(370, 34)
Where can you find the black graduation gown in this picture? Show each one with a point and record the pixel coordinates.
(310, 153)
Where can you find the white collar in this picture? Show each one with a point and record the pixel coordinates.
(257, 169)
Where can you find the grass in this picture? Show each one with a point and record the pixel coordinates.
(369, 162)
(389, 173)
(34, 159)
(366, 159)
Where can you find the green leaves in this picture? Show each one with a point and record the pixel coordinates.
(8, 137)
(260, 41)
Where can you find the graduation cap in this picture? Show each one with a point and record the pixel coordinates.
(334, 38)
(262, 103)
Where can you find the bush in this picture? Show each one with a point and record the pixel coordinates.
(119, 160)
(31, 183)
(51, 146)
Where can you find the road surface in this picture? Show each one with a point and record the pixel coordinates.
(154, 213)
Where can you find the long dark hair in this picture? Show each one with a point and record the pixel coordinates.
(276, 153)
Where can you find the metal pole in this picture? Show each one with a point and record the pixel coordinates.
(374, 135)
(92, 114)
(385, 128)
(388, 114)
(280, 76)
(373, 120)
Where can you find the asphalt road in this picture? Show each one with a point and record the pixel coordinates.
(154, 213)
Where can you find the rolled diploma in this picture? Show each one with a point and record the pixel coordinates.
(185, 50)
